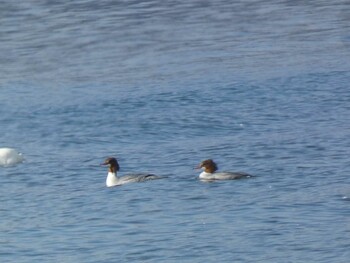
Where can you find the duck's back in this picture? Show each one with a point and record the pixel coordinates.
(230, 175)
(138, 178)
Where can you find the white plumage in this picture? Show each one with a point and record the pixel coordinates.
(10, 157)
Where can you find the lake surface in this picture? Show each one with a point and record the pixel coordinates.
(259, 86)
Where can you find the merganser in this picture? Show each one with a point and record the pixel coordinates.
(114, 180)
(10, 157)
(209, 172)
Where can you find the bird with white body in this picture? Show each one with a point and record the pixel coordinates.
(10, 157)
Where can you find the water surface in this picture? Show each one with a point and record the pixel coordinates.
(259, 86)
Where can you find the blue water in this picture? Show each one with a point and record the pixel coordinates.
(259, 86)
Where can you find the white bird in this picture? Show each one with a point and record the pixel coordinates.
(209, 172)
(10, 157)
(114, 180)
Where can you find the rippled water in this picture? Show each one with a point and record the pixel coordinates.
(259, 86)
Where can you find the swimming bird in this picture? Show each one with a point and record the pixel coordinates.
(209, 172)
(10, 157)
(114, 180)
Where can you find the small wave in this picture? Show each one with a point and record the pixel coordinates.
(346, 198)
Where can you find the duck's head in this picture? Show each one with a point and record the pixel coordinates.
(112, 164)
(209, 166)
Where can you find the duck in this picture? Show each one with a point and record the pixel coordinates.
(209, 172)
(114, 180)
(10, 157)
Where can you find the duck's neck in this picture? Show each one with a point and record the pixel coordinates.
(209, 170)
(205, 175)
(112, 179)
(112, 169)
